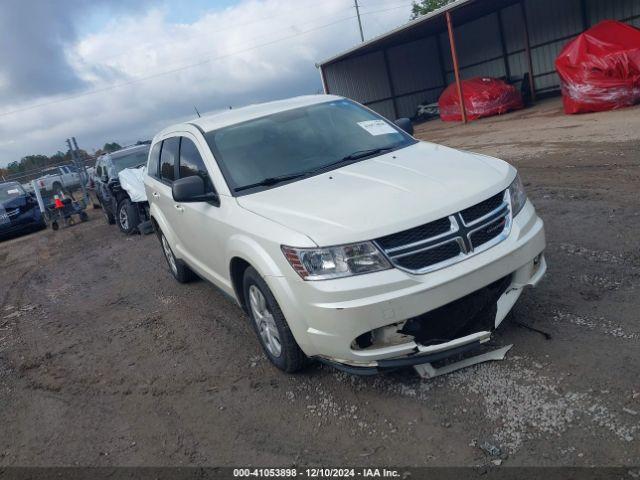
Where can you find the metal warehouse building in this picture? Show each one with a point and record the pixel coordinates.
(411, 65)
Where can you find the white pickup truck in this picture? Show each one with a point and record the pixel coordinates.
(55, 179)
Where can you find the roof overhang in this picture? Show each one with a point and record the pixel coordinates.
(423, 26)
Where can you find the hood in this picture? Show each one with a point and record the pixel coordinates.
(382, 195)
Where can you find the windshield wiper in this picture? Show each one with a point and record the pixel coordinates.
(357, 155)
(267, 182)
(364, 153)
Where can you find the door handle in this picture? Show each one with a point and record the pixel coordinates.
(179, 208)
(155, 195)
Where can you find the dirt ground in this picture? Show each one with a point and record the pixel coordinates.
(105, 360)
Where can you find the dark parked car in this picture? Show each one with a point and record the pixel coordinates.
(114, 200)
(19, 211)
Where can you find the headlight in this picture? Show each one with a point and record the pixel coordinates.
(335, 262)
(518, 195)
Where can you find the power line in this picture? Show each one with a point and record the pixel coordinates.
(167, 72)
(182, 68)
(223, 29)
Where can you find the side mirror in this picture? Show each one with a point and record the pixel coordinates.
(405, 124)
(191, 189)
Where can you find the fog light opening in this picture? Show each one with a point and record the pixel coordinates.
(386, 336)
(536, 261)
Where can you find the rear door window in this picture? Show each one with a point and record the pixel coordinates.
(191, 163)
(154, 158)
(168, 159)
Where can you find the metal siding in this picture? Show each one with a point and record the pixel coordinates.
(384, 108)
(493, 68)
(512, 28)
(363, 78)
(415, 66)
(549, 21)
(408, 104)
(518, 64)
(446, 52)
(478, 44)
(599, 10)
(552, 19)
(478, 40)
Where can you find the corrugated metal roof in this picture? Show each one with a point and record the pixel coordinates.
(423, 19)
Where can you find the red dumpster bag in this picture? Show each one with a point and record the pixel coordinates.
(600, 69)
(483, 97)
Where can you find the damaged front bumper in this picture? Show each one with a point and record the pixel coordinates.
(421, 355)
(328, 319)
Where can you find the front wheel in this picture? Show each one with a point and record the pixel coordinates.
(270, 324)
(128, 218)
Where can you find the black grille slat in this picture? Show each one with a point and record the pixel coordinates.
(481, 209)
(429, 257)
(487, 233)
(443, 240)
(406, 237)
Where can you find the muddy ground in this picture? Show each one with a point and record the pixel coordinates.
(105, 360)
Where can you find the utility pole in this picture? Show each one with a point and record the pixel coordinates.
(359, 20)
(80, 167)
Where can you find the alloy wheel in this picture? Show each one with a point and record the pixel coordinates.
(123, 217)
(169, 255)
(264, 321)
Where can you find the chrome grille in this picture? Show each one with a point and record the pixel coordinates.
(13, 213)
(448, 240)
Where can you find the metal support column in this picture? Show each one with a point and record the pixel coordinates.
(323, 80)
(584, 12)
(443, 72)
(454, 57)
(527, 50)
(390, 80)
(503, 44)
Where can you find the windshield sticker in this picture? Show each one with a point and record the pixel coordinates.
(377, 127)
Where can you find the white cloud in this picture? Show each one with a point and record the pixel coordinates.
(228, 69)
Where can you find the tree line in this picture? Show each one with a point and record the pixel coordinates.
(35, 163)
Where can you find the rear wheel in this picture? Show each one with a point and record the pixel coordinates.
(127, 215)
(180, 271)
(270, 324)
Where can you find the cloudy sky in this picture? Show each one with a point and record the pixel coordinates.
(120, 70)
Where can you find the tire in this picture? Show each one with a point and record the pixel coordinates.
(180, 271)
(127, 217)
(107, 214)
(270, 324)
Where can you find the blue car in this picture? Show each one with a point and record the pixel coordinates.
(19, 211)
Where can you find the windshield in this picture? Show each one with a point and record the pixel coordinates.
(260, 153)
(9, 191)
(130, 160)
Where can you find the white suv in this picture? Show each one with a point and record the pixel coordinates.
(343, 237)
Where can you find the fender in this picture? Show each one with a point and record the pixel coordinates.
(259, 258)
(253, 252)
